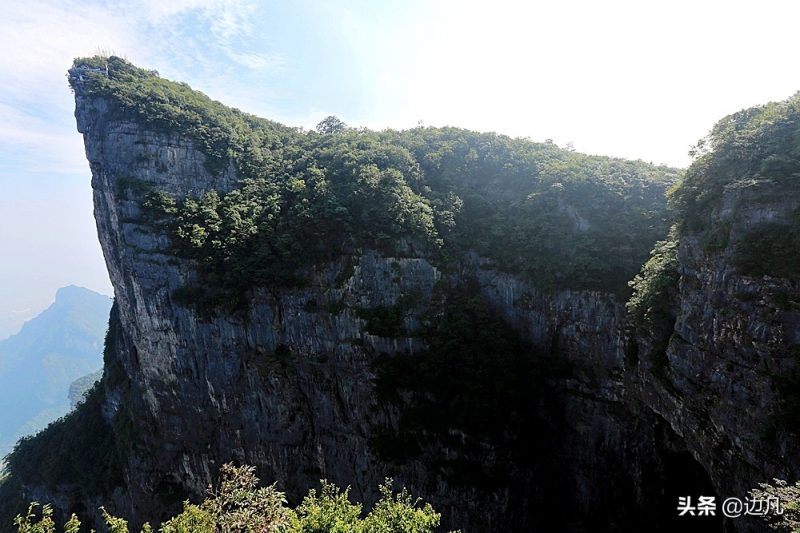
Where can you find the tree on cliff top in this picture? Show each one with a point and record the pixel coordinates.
(331, 124)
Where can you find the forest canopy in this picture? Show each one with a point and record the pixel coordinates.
(560, 219)
(755, 146)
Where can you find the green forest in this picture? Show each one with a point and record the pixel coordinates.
(556, 217)
(756, 149)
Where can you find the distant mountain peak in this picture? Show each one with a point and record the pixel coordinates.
(37, 365)
(75, 293)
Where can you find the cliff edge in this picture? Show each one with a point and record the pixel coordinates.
(436, 305)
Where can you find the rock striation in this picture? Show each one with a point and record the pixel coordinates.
(734, 343)
(288, 383)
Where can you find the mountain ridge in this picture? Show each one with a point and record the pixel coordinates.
(63, 342)
(307, 375)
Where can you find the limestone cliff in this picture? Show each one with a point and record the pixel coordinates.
(287, 382)
(289, 388)
(728, 365)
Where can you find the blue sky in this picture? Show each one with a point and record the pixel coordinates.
(634, 79)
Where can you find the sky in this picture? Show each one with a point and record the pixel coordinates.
(634, 79)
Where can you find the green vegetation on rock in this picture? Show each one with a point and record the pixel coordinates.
(653, 288)
(559, 218)
(754, 152)
(239, 505)
(779, 495)
(759, 144)
(653, 305)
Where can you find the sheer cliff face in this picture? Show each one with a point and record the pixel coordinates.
(733, 347)
(288, 384)
(280, 387)
(290, 389)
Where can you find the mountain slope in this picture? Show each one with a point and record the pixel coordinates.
(437, 305)
(38, 364)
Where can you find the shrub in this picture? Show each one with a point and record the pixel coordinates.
(789, 498)
(239, 505)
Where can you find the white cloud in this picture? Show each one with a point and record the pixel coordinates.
(39, 145)
(158, 12)
(231, 19)
(259, 61)
(43, 172)
(37, 131)
(626, 78)
(42, 37)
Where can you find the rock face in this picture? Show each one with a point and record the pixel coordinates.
(734, 341)
(287, 385)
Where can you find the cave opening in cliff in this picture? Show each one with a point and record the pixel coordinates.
(685, 477)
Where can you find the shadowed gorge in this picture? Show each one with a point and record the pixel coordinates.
(436, 305)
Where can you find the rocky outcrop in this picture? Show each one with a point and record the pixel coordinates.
(735, 338)
(287, 383)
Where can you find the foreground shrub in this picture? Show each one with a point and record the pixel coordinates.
(239, 505)
(789, 497)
